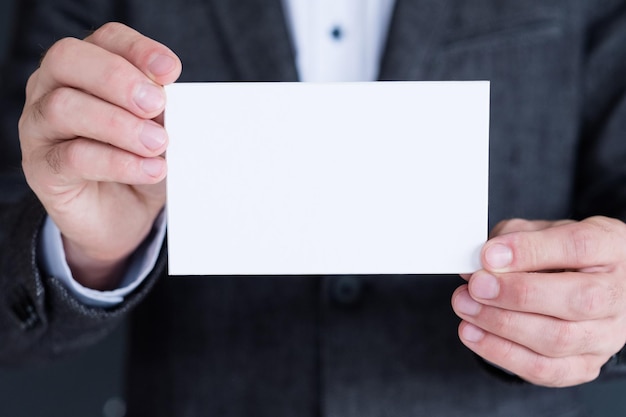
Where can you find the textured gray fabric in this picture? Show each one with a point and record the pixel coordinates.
(341, 346)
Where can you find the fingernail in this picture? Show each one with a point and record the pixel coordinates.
(149, 98)
(499, 256)
(484, 286)
(472, 333)
(466, 305)
(161, 65)
(153, 166)
(152, 135)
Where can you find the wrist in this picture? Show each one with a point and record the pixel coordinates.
(92, 272)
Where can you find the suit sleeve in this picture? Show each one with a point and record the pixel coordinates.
(601, 174)
(39, 318)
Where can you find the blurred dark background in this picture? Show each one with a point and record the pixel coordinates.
(90, 384)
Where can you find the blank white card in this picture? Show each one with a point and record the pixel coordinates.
(346, 178)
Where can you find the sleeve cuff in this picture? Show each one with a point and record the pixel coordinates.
(53, 261)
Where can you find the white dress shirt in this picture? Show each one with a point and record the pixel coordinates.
(338, 40)
(334, 40)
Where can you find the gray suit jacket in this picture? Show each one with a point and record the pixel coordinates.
(337, 345)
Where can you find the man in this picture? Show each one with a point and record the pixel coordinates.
(549, 307)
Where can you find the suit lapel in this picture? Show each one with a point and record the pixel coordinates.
(415, 31)
(258, 40)
(256, 34)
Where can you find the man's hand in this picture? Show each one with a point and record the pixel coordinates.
(92, 144)
(550, 303)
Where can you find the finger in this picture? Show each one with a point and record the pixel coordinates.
(522, 225)
(544, 335)
(75, 161)
(70, 113)
(567, 295)
(112, 65)
(82, 65)
(597, 241)
(151, 57)
(528, 365)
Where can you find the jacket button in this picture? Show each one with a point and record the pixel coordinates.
(23, 308)
(346, 289)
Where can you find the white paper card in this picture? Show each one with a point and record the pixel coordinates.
(346, 178)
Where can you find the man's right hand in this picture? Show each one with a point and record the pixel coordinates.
(93, 143)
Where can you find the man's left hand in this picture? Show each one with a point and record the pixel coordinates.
(550, 303)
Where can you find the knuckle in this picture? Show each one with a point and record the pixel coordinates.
(589, 370)
(72, 153)
(542, 370)
(508, 226)
(502, 322)
(611, 228)
(591, 301)
(22, 124)
(588, 239)
(538, 369)
(31, 83)
(593, 372)
(25, 119)
(136, 46)
(139, 49)
(59, 52)
(51, 108)
(562, 338)
(516, 224)
(109, 29)
(580, 245)
(566, 338)
(54, 106)
(605, 224)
